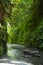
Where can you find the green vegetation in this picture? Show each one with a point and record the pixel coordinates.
(24, 20)
(25, 23)
(3, 39)
(3, 30)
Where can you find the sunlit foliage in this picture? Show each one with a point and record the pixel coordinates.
(24, 19)
(25, 23)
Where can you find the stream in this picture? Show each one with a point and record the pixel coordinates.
(14, 52)
(16, 56)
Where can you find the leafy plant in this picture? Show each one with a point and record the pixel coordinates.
(1, 50)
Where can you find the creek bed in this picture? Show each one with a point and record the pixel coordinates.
(14, 52)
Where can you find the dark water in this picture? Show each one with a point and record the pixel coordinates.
(14, 52)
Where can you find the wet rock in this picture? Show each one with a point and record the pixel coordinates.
(36, 52)
(37, 55)
(31, 52)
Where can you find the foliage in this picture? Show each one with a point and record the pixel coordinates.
(3, 39)
(26, 24)
(3, 28)
(1, 50)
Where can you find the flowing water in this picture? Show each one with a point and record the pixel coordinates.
(15, 52)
